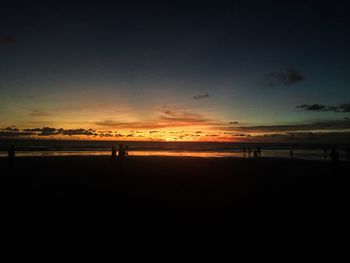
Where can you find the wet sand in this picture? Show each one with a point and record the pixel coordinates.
(167, 200)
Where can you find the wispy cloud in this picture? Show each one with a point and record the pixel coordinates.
(38, 113)
(168, 119)
(283, 78)
(183, 117)
(201, 96)
(345, 107)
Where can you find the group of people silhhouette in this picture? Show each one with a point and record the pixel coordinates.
(256, 151)
(333, 154)
(122, 151)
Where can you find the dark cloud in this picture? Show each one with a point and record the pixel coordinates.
(106, 135)
(286, 77)
(321, 125)
(7, 40)
(345, 107)
(13, 132)
(233, 122)
(315, 137)
(10, 129)
(71, 132)
(312, 107)
(48, 131)
(201, 96)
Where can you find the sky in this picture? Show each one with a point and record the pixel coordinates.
(175, 70)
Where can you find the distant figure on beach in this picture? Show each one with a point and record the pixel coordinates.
(325, 153)
(249, 151)
(258, 151)
(334, 155)
(114, 153)
(127, 150)
(121, 151)
(291, 153)
(347, 153)
(255, 155)
(11, 153)
(11, 156)
(244, 151)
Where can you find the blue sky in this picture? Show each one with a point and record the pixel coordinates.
(75, 64)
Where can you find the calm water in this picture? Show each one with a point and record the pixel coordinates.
(88, 148)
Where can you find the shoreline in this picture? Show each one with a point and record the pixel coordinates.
(141, 154)
(159, 157)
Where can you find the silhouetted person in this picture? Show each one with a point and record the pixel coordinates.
(347, 153)
(249, 151)
(325, 153)
(258, 151)
(11, 156)
(244, 151)
(291, 153)
(11, 152)
(334, 155)
(121, 152)
(255, 155)
(127, 150)
(114, 153)
(121, 155)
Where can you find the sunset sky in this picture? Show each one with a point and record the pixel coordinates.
(175, 71)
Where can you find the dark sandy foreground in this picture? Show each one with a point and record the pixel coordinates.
(176, 208)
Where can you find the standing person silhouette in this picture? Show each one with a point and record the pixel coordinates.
(249, 151)
(291, 153)
(11, 157)
(244, 150)
(114, 153)
(121, 155)
(121, 152)
(127, 150)
(258, 150)
(334, 155)
(347, 153)
(325, 150)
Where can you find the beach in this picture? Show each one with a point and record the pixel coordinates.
(172, 189)
(100, 196)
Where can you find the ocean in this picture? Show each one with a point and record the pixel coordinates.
(191, 149)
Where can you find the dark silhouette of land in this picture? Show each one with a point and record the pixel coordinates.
(182, 207)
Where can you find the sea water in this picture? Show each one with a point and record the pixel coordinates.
(190, 149)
